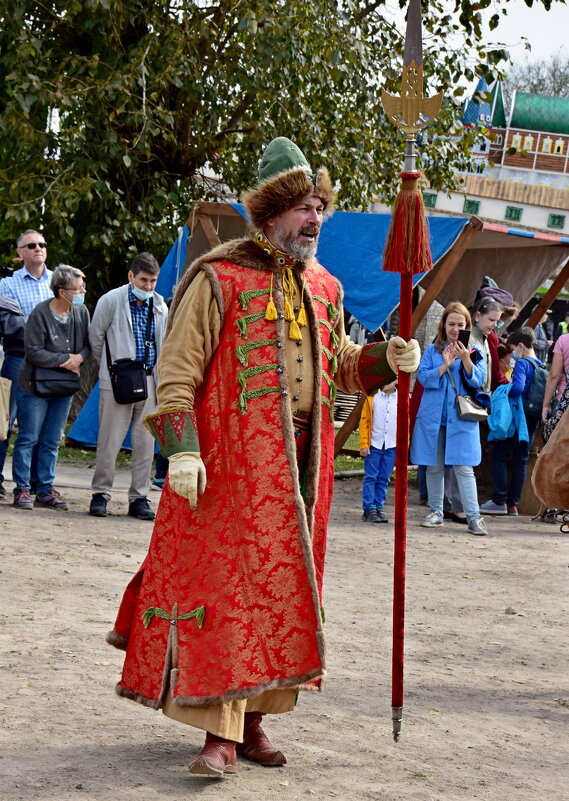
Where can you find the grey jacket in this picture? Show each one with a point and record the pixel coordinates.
(48, 343)
(112, 317)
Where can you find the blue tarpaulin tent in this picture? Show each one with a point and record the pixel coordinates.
(351, 248)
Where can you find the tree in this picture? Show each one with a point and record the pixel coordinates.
(548, 76)
(113, 113)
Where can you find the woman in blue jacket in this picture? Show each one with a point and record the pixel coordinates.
(440, 437)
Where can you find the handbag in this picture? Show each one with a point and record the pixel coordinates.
(467, 408)
(128, 376)
(551, 422)
(54, 382)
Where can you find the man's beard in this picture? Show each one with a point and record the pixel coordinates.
(288, 242)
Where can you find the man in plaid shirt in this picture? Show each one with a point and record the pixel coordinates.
(26, 287)
(121, 315)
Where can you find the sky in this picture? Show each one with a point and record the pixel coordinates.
(546, 31)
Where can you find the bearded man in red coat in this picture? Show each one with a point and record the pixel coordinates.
(223, 623)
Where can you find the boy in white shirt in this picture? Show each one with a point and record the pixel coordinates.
(378, 426)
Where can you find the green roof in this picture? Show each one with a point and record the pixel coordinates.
(498, 113)
(541, 113)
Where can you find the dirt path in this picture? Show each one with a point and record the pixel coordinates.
(486, 712)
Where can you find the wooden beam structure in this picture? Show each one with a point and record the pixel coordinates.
(350, 424)
(549, 297)
(445, 269)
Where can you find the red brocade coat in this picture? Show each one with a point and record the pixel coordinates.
(250, 558)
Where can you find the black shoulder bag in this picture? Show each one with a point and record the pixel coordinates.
(128, 376)
(55, 382)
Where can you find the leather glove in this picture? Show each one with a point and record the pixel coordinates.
(403, 355)
(187, 476)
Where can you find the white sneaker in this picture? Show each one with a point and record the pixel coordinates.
(432, 519)
(477, 526)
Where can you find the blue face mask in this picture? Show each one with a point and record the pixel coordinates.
(141, 294)
(515, 356)
(76, 300)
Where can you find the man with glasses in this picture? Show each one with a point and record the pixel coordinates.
(20, 293)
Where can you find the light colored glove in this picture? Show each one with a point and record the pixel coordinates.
(187, 476)
(403, 355)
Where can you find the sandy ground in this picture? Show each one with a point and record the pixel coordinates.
(486, 711)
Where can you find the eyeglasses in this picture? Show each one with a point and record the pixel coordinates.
(34, 245)
(76, 289)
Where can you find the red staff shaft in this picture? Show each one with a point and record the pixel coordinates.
(400, 525)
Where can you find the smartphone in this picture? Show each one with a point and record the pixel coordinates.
(464, 336)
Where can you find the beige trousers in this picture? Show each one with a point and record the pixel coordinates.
(226, 720)
(114, 420)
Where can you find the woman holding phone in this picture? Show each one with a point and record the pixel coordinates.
(440, 436)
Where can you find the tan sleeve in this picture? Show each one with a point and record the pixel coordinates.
(189, 346)
(348, 354)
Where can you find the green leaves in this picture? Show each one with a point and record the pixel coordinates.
(161, 104)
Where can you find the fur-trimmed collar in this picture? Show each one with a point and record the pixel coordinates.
(247, 253)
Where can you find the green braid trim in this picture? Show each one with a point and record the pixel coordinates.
(330, 406)
(246, 297)
(323, 614)
(332, 386)
(333, 334)
(153, 611)
(245, 374)
(242, 350)
(243, 322)
(255, 393)
(332, 359)
(332, 310)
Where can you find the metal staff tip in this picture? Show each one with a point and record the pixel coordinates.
(396, 717)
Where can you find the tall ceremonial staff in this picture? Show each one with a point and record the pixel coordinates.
(407, 252)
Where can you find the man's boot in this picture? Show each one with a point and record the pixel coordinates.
(217, 758)
(256, 746)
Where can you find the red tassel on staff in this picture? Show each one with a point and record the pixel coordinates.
(407, 248)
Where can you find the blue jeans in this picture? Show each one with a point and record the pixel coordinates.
(40, 421)
(422, 480)
(464, 478)
(10, 369)
(516, 452)
(378, 467)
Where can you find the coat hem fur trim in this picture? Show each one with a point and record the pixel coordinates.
(116, 639)
(231, 695)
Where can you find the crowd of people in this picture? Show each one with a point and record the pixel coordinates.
(47, 335)
(508, 376)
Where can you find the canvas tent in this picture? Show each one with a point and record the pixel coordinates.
(351, 248)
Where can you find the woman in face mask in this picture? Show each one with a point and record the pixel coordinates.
(56, 344)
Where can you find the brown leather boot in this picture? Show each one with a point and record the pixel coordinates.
(256, 746)
(217, 758)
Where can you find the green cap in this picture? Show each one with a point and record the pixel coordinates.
(280, 156)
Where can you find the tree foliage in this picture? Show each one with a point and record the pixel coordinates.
(113, 113)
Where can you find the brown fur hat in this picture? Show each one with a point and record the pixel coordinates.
(285, 180)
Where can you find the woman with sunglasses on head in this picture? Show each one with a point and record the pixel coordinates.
(440, 436)
(56, 343)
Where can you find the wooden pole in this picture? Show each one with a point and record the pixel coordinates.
(549, 297)
(445, 269)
